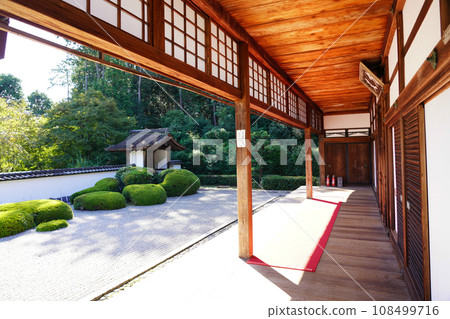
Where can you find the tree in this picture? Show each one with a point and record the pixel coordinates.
(20, 131)
(10, 88)
(83, 127)
(39, 103)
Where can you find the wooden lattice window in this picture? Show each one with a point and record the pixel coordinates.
(224, 56)
(319, 122)
(302, 110)
(293, 104)
(278, 93)
(313, 118)
(131, 16)
(258, 81)
(185, 33)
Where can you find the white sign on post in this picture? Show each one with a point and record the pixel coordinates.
(240, 138)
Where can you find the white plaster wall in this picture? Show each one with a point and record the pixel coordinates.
(361, 120)
(411, 11)
(437, 113)
(374, 165)
(159, 156)
(140, 158)
(393, 91)
(393, 55)
(426, 39)
(48, 187)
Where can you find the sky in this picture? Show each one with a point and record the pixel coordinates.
(32, 62)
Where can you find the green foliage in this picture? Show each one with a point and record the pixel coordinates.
(229, 180)
(83, 127)
(20, 134)
(136, 176)
(42, 210)
(277, 182)
(10, 88)
(100, 201)
(39, 103)
(145, 194)
(52, 225)
(107, 184)
(18, 217)
(14, 222)
(121, 172)
(180, 182)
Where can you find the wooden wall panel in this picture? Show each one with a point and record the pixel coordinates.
(359, 163)
(335, 160)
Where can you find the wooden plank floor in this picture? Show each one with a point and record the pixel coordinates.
(359, 265)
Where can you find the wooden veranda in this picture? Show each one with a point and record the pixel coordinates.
(299, 63)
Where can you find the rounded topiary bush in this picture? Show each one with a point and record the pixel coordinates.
(180, 182)
(109, 184)
(121, 172)
(42, 210)
(52, 225)
(145, 194)
(14, 222)
(100, 201)
(137, 176)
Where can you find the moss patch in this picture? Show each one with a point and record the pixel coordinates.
(42, 210)
(109, 184)
(52, 225)
(145, 194)
(14, 222)
(100, 201)
(178, 182)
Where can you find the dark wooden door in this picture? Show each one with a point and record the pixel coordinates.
(358, 163)
(413, 186)
(335, 160)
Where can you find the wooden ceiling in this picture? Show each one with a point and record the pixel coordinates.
(296, 33)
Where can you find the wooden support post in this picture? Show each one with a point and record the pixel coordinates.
(3, 37)
(322, 159)
(158, 24)
(308, 164)
(243, 158)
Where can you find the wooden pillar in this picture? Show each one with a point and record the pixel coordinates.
(322, 159)
(308, 164)
(158, 24)
(243, 158)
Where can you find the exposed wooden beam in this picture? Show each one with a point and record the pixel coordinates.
(424, 84)
(3, 37)
(243, 158)
(308, 164)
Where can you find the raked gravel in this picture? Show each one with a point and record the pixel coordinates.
(102, 249)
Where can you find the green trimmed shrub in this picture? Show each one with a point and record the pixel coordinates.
(120, 172)
(136, 176)
(42, 210)
(145, 194)
(109, 184)
(179, 182)
(100, 201)
(14, 222)
(52, 225)
(217, 180)
(277, 182)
